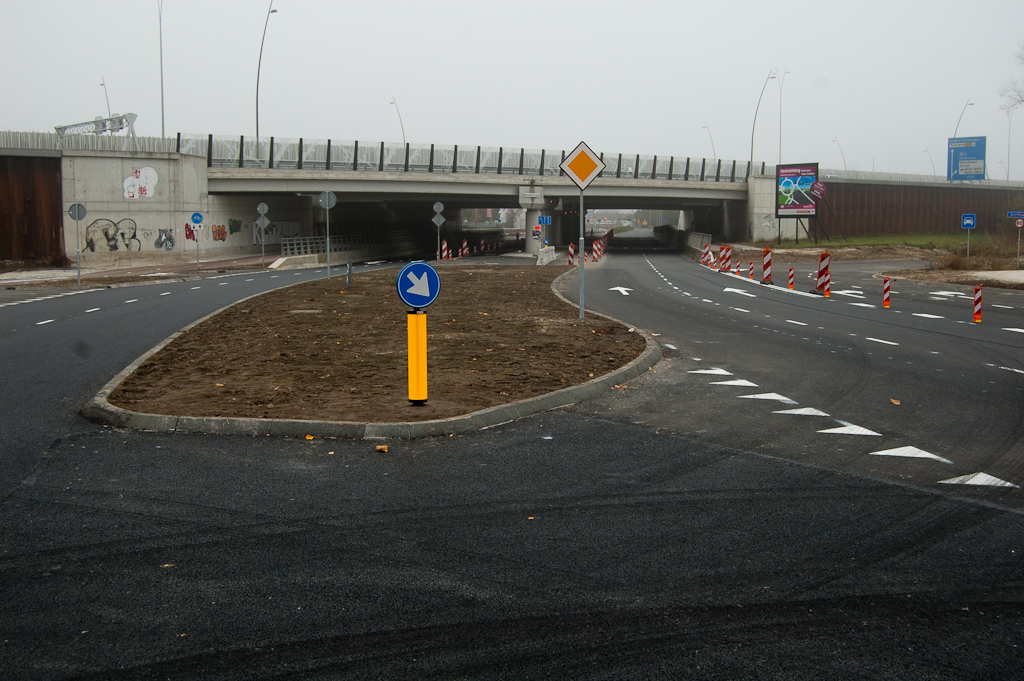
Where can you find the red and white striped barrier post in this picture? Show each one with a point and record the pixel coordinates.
(723, 263)
(438, 257)
(766, 266)
(977, 304)
(572, 255)
(444, 250)
(705, 253)
(886, 286)
(823, 272)
(750, 270)
(828, 283)
(465, 249)
(792, 278)
(482, 245)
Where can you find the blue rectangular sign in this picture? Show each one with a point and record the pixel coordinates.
(1015, 214)
(968, 220)
(545, 220)
(966, 159)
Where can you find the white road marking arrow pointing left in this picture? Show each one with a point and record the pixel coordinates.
(420, 286)
(621, 289)
(739, 291)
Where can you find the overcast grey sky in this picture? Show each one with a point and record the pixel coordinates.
(888, 80)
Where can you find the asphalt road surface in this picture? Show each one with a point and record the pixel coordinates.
(671, 529)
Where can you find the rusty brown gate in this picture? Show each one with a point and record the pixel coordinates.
(31, 214)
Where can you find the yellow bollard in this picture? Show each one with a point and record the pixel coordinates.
(417, 323)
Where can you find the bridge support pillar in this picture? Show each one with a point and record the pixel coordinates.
(532, 219)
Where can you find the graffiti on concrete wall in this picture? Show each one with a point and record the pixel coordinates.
(164, 240)
(190, 233)
(219, 232)
(141, 184)
(114, 235)
(234, 226)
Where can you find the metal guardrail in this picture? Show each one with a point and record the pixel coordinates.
(314, 245)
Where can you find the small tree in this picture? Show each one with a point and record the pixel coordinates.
(1012, 91)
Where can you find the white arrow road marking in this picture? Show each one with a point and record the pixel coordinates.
(621, 289)
(1015, 330)
(769, 396)
(849, 429)
(983, 479)
(928, 316)
(911, 452)
(806, 411)
(742, 382)
(714, 372)
(879, 340)
(420, 285)
(740, 291)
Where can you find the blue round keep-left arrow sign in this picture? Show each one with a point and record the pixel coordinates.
(418, 284)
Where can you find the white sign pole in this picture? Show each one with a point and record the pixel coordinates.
(582, 259)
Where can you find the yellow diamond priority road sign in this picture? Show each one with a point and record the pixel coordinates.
(582, 165)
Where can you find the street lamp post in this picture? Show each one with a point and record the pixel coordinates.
(259, 64)
(395, 102)
(957, 129)
(714, 154)
(836, 140)
(931, 159)
(782, 81)
(103, 84)
(160, 20)
(771, 74)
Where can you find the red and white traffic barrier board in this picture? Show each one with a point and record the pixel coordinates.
(705, 255)
(464, 252)
(792, 278)
(886, 287)
(445, 255)
(823, 272)
(725, 257)
(572, 255)
(828, 284)
(766, 266)
(750, 270)
(977, 304)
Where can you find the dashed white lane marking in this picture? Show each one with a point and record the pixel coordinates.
(670, 347)
(1014, 330)
(95, 309)
(793, 321)
(250, 280)
(879, 340)
(713, 372)
(864, 305)
(46, 322)
(928, 316)
(769, 396)
(223, 283)
(166, 294)
(133, 300)
(741, 382)
(1001, 307)
(196, 288)
(982, 479)
(740, 309)
(910, 452)
(804, 411)
(1016, 371)
(849, 429)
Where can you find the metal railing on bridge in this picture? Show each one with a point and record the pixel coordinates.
(320, 154)
(313, 245)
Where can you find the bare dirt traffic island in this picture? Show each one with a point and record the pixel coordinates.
(322, 352)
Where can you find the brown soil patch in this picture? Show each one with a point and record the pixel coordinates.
(846, 253)
(321, 351)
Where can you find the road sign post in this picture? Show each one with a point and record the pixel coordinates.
(418, 286)
(582, 166)
(262, 223)
(327, 201)
(197, 220)
(968, 221)
(77, 213)
(1018, 223)
(438, 220)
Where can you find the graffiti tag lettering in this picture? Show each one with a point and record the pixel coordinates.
(115, 235)
(219, 232)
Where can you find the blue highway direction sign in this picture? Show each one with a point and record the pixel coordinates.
(418, 284)
(966, 159)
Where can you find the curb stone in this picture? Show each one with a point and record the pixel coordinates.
(100, 411)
